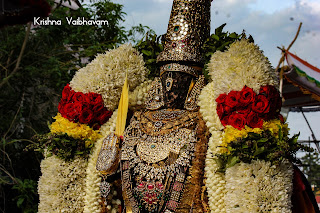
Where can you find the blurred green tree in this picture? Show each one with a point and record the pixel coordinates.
(311, 169)
(36, 62)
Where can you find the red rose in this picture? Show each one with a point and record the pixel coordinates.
(79, 97)
(269, 91)
(104, 117)
(261, 104)
(220, 110)
(69, 111)
(86, 116)
(225, 120)
(244, 110)
(221, 98)
(94, 98)
(232, 99)
(227, 110)
(247, 96)
(254, 121)
(65, 92)
(98, 110)
(78, 107)
(237, 120)
(61, 106)
(273, 95)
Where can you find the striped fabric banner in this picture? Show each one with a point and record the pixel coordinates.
(303, 68)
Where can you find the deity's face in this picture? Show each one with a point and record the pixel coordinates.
(176, 96)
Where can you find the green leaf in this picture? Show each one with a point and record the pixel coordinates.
(219, 29)
(149, 61)
(233, 35)
(262, 140)
(230, 149)
(146, 52)
(214, 36)
(259, 151)
(20, 201)
(280, 133)
(244, 146)
(232, 161)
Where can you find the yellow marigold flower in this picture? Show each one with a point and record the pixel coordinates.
(75, 130)
(273, 127)
(232, 134)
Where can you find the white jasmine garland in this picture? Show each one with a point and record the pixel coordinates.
(92, 197)
(208, 107)
(259, 187)
(105, 75)
(242, 64)
(61, 186)
(215, 181)
(138, 96)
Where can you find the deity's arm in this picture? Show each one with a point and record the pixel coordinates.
(108, 159)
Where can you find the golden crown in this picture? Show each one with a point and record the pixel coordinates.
(188, 29)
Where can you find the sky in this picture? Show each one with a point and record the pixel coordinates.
(272, 23)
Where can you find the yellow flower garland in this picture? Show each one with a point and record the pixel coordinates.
(231, 133)
(75, 130)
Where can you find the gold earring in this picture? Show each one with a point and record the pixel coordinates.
(191, 102)
(154, 98)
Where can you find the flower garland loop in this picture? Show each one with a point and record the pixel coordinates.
(92, 182)
(85, 113)
(61, 186)
(242, 99)
(106, 73)
(259, 187)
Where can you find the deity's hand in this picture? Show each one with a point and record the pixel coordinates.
(108, 159)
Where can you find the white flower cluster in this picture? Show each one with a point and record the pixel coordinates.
(242, 64)
(259, 187)
(215, 181)
(61, 186)
(92, 197)
(105, 75)
(208, 105)
(138, 96)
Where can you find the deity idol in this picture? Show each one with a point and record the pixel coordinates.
(192, 147)
(164, 147)
(172, 152)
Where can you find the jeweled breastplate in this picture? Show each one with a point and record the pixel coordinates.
(156, 155)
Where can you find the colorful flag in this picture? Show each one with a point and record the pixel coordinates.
(303, 68)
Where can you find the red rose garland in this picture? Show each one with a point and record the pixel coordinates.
(245, 107)
(85, 108)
